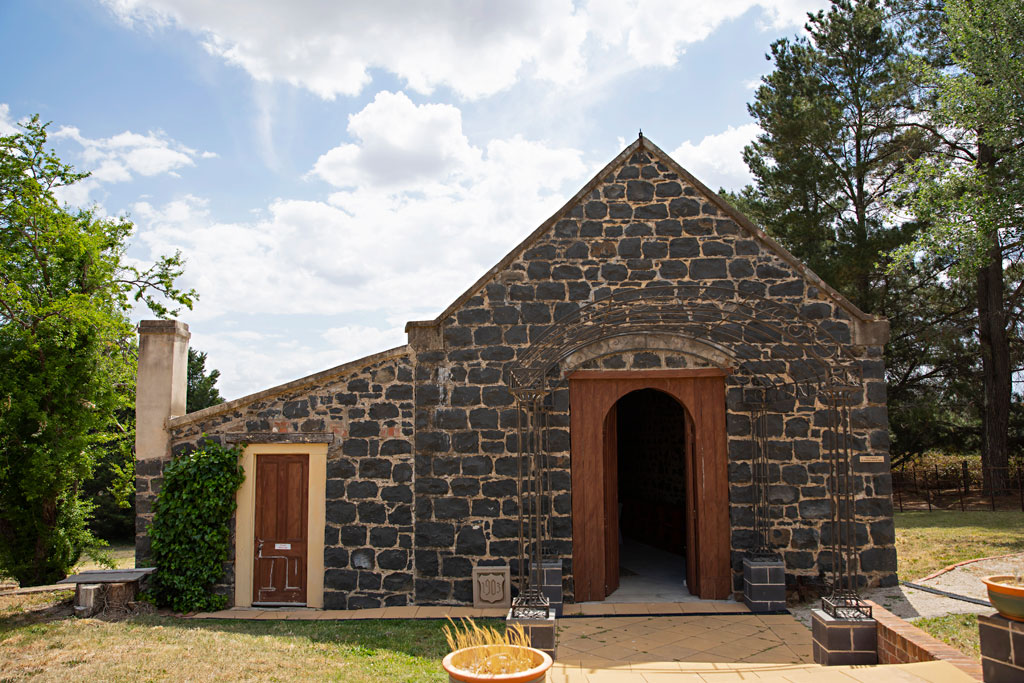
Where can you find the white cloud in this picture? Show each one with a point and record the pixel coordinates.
(7, 126)
(117, 158)
(717, 160)
(475, 47)
(418, 216)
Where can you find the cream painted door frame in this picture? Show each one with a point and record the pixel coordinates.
(245, 519)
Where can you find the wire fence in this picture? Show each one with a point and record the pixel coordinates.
(964, 486)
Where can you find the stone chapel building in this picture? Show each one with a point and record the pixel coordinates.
(665, 346)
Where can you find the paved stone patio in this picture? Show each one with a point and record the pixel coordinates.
(701, 641)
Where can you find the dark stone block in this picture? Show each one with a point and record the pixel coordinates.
(371, 512)
(340, 511)
(465, 487)
(683, 247)
(398, 583)
(595, 210)
(432, 442)
(340, 579)
(650, 212)
(434, 534)
(639, 191)
(395, 447)
(655, 250)
(368, 428)
(878, 559)
(451, 508)
(670, 189)
(683, 207)
(375, 468)
(383, 537)
(393, 559)
(352, 535)
(335, 600)
(431, 590)
(295, 409)
(340, 468)
(673, 270)
(362, 489)
(399, 392)
(355, 448)
(501, 488)
(614, 272)
(335, 558)
(707, 269)
(471, 542)
(815, 509)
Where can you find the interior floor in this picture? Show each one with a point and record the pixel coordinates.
(648, 574)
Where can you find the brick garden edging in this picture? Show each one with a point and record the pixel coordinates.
(900, 642)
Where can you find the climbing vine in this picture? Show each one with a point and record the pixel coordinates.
(191, 530)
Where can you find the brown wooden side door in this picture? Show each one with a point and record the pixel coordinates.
(282, 491)
(611, 501)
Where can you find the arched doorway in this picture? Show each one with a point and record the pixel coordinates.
(699, 395)
(651, 436)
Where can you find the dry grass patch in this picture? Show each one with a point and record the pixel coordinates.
(929, 541)
(172, 648)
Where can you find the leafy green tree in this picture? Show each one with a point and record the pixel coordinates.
(65, 352)
(972, 196)
(834, 114)
(202, 391)
(842, 113)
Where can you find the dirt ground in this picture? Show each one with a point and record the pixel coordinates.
(909, 603)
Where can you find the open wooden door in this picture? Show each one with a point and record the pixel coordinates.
(282, 513)
(611, 501)
(692, 537)
(594, 470)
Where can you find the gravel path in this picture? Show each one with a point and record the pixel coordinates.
(909, 603)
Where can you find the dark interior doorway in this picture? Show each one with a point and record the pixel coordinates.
(652, 470)
(650, 490)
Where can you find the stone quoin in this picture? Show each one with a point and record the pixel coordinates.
(409, 457)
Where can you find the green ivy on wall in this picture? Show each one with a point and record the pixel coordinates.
(191, 529)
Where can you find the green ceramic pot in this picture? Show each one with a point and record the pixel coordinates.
(1006, 598)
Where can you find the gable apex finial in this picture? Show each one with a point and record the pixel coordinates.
(641, 133)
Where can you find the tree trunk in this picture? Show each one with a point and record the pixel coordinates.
(995, 361)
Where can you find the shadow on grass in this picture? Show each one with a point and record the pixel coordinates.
(1008, 520)
(414, 637)
(38, 608)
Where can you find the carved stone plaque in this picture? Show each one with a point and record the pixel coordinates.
(491, 587)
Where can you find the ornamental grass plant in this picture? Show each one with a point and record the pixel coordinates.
(485, 650)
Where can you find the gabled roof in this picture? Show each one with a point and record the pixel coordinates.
(316, 378)
(867, 329)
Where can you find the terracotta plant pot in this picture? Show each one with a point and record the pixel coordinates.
(1008, 599)
(536, 674)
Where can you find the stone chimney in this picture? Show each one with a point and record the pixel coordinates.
(160, 387)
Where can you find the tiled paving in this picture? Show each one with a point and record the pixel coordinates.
(677, 642)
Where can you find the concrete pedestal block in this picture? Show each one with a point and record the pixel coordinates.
(1002, 649)
(764, 585)
(540, 631)
(843, 641)
(551, 584)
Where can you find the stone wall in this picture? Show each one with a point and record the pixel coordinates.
(364, 410)
(641, 224)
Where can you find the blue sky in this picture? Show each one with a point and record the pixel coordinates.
(333, 169)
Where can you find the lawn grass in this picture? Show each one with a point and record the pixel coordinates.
(173, 648)
(123, 555)
(958, 630)
(929, 541)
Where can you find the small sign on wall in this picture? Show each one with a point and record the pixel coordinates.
(872, 458)
(282, 546)
(491, 587)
